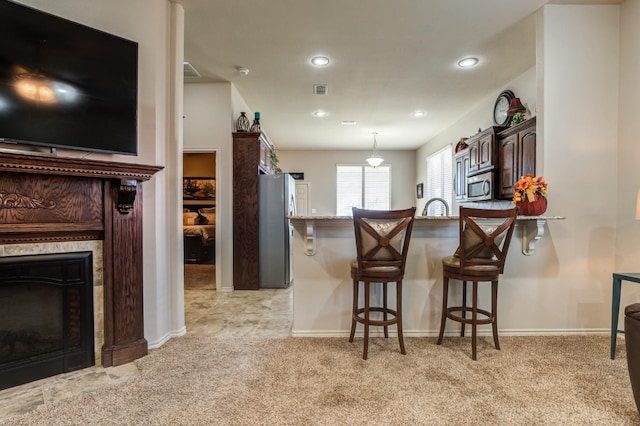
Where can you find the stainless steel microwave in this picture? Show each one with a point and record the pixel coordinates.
(480, 187)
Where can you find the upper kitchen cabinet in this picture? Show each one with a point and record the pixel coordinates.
(516, 156)
(461, 169)
(482, 150)
(251, 151)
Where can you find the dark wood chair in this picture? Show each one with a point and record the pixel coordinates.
(485, 236)
(382, 242)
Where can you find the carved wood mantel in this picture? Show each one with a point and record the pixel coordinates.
(47, 199)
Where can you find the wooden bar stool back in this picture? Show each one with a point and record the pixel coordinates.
(485, 236)
(382, 242)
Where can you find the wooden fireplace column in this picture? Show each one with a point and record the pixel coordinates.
(47, 199)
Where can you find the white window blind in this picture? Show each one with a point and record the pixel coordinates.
(362, 186)
(439, 180)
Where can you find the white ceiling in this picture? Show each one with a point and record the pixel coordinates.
(388, 59)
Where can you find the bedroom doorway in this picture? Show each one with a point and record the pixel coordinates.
(199, 221)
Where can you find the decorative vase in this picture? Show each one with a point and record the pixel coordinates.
(242, 123)
(255, 127)
(536, 208)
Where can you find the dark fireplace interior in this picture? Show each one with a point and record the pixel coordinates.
(46, 316)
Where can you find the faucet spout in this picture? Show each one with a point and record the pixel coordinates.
(442, 200)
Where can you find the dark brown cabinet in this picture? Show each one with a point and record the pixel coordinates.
(516, 156)
(461, 169)
(480, 156)
(251, 158)
(482, 150)
(510, 151)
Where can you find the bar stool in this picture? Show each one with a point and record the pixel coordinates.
(485, 236)
(382, 242)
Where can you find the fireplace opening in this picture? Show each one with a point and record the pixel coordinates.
(46, 316)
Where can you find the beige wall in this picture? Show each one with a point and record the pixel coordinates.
(319, 169)
(580, 72)
(628, 157)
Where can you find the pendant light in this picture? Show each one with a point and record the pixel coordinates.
(375, 160)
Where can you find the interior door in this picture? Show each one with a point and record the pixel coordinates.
(302, 198)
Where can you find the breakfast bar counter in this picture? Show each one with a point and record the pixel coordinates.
(323, 247)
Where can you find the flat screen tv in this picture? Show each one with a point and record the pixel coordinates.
(65, 85)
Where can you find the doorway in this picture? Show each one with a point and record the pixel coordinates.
(302, 198)
(199, 221)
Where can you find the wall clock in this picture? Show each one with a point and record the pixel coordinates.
(500, 117)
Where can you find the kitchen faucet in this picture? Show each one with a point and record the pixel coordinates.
(442, 200)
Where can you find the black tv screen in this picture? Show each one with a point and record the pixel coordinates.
(66, 85)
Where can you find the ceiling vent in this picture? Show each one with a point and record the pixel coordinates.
(320, 89)
(190, 72)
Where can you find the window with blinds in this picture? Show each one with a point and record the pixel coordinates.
(362, 186)
(439, 180)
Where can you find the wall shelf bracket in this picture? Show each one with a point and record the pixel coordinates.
(310, 237)
(531, 233)
(126, 195)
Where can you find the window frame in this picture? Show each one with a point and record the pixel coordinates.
(363, 200)
(445, 189)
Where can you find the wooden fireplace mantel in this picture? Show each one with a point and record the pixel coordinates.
(47, 199)
(68, 166)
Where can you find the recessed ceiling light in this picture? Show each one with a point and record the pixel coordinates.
(319, 60)
(467, 62)
(418, 114)
(319, 113)
(348, 123)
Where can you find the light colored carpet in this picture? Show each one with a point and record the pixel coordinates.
(199, 276)
(324, 381)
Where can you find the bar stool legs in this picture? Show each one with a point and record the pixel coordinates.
(445, 302)
(459, 314)
(363, 315)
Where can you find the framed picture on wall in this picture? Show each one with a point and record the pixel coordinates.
(419, 189)
(199, 188)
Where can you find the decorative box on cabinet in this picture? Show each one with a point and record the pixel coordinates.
(251, 157)
(516, 156)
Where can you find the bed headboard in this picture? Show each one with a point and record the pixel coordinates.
(196, 207)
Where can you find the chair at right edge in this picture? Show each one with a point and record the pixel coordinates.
(485, 236)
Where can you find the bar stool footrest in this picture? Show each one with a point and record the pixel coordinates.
(463, 309)
(382, 323)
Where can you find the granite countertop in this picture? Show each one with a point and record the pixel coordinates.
(310, 223)
(420, 218)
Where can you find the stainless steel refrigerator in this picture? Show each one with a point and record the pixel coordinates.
(275, 233)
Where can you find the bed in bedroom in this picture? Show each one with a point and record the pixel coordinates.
(199, 233)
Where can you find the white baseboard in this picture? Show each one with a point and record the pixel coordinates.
(378, 332)
(164, 339)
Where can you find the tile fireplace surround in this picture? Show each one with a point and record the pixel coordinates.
(52, 204)
(95, 247)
